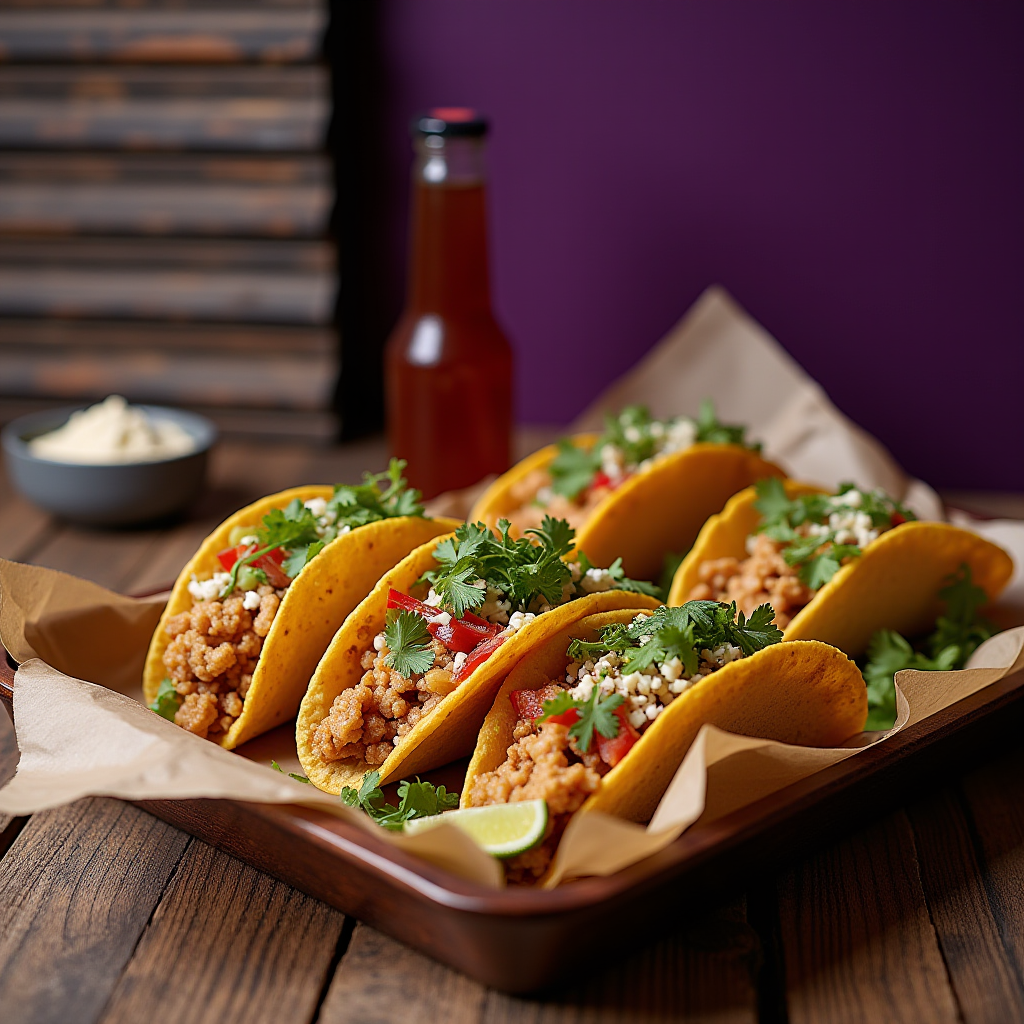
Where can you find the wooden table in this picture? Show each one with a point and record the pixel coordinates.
(108, 914)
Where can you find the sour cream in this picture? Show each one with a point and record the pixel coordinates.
(113, 432)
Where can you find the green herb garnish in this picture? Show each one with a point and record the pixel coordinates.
(595, 713)
(408, 640)
(380, 496)
(682, 633)
(167, 700)
(291, 775)
(817, 558)
(415, 800)
(957, 635)
(573, 468)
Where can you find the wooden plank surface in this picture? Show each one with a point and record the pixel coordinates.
(858, 942)
(154, 34)
(228, 943)
(77, 888)
(917, 917)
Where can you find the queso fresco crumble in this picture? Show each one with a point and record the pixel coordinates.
(578, 479)
(215, 646)
(798, 547)
(486, 588)
(573, 731)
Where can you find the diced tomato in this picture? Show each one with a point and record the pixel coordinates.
(527, 704)
(463, 634)
(270, 563)
(570, 717)
(896, 519)
(614, 748)
(479, 655)
(601, 479)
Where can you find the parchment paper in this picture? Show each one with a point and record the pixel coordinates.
(82, 731)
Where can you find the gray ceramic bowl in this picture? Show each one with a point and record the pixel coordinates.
(123, 494)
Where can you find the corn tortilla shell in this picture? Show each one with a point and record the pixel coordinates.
(894, 584)
(803, 692)
(314, 606)
(655, 512)
(450, 730)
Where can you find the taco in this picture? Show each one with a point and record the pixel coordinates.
(640, 490)
(408, 678)
(836, 567)
(255, 607)
(599, 716)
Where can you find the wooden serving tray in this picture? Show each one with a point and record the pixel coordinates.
(516, 939)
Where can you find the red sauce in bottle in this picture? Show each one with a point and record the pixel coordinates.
(448, 364)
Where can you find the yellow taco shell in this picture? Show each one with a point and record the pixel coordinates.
(894, 584)
(803, 692)
(450, 730)
(314, 605)
(653, 513)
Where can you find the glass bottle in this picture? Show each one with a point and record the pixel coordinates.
(448, 365)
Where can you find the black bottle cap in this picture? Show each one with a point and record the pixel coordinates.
(450, 121)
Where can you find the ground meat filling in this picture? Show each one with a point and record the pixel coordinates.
(212, 655)
(543, 764)
(367, 720)
(763, 577)
(531, 509)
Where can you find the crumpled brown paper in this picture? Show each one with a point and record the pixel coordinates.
(78, 738)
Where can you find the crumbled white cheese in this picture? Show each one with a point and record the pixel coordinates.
(208, 590)
(519, 619)
(596, 581)
(441, 619)
(379, 643)
(459, 660)
(251, 601)
(432, 599)
(318, 506)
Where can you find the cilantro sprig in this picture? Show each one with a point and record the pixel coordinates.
(415, 800)
(295, 530)
(167, 700)
(957, 635)
(573, 469)
(818, 557)
(408, 641)
(597, 713)
(682, 633)
(289, 528)
(380, 496)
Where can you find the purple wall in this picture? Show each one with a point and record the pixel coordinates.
(852, 172)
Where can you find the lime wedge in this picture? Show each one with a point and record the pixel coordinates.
(503, 830)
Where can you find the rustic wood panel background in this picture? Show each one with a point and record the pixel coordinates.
(165, 208)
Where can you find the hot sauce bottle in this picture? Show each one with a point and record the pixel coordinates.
(448, 365)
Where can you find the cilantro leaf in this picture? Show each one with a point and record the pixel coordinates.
(167, 700)
(956, 636)
(709, 429)
(572, 470)
(380, 496)
(623, 582)
(456, 591)
(291, 775)
(772, 501)
(415, 800)
(300, 558)
(408, 640)
(757, 632)
(597, 712)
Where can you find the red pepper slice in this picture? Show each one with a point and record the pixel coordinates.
(614, 748)
(479, 655)
(463, 634)
(601, 479)
(897, 519)
(270, 563)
